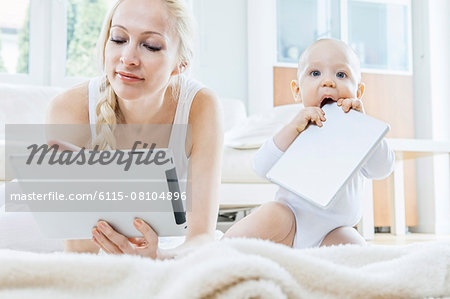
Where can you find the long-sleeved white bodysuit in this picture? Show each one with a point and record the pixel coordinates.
(313, 222)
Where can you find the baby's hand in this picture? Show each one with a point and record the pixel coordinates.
(348, 104)
(307, 115)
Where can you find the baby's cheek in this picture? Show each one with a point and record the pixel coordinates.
(350, 92)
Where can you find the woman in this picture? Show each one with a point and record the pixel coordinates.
(145, 47)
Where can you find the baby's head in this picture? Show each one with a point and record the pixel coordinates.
(327, 69)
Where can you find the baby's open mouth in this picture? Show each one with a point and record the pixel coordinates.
(326, 101)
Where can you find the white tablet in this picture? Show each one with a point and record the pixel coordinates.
(150, 191)
(321, 160)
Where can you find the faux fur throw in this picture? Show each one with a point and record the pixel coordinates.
(238, 268)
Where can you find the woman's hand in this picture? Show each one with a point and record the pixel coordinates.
(190, 244)
(114, 243)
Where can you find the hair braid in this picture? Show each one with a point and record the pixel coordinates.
(107, 112)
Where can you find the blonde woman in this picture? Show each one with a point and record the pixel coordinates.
(145, 47)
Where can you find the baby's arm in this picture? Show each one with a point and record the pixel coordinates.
(266, 157)
(380, 163)
(273, 149)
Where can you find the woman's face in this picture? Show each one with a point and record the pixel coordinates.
(141, 52)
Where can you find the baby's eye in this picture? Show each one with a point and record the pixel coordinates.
(315, 73)
(341, 75)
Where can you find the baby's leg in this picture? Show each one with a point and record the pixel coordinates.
(343, 235)
(272, 221)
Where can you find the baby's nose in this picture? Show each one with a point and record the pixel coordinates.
(328, 83)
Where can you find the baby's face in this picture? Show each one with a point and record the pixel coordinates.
(328, 70)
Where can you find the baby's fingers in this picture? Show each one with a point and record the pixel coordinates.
(357, 105)
(317, 119)
(346, 105)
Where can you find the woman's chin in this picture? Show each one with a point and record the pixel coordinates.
(127, 95)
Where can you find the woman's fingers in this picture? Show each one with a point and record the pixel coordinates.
(150, 235)
(138, 242)
(114, 243)
(118, 240)
(148, 247)
(104, 243)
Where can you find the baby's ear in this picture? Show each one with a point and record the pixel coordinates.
(360, 91)
(295, 89)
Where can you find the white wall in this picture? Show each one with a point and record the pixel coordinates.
(440, 79)
(261, 54)
(221, 52)
(431, 44)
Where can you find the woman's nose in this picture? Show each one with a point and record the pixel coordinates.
(328, 83)
(129, 56)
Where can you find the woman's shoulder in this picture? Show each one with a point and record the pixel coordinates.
(205, 107)
(70, 107)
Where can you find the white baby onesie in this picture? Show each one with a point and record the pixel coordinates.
(313, 222)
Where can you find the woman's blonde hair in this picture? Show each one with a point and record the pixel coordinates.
(107, 109)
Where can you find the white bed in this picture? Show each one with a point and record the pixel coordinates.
(237, 268)
(227, 269)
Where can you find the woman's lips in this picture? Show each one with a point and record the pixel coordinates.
(128, 77)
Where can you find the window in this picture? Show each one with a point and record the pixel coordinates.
(83, 28)
(379, 34)
(378, 30)
(49, 42)
(14, 36)
(302, 22)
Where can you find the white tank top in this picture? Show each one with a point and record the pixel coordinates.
(188, 89)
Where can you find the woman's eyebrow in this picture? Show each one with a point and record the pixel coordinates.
(145, 32)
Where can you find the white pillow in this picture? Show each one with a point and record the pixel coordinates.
(234, 112)
(256, 129)
(25, 104)
(22, 104)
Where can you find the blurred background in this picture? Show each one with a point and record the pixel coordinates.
(248, 50)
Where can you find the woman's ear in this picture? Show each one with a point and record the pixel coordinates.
(360, 91)
(179, 69)
(295, 89)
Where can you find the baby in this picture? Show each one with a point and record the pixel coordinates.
(328, 70)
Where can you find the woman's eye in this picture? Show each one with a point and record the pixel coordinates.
(341, 75)
(152, 48)
(315, 73)
(117, 40)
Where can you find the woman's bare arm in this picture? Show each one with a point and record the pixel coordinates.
(206, 161)
(71, 107)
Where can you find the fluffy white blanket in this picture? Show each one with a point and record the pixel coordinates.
(234, 269)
